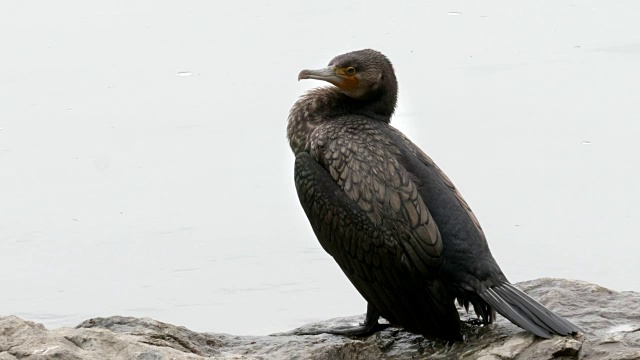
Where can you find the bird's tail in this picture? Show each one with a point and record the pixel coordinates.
(525, 312)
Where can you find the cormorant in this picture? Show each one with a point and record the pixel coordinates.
(391, 219)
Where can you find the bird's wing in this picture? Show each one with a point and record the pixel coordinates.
(364, 166)
(393, 264)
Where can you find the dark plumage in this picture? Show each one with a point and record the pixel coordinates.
(391, 219)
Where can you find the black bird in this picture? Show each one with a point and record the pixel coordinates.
(391, 219)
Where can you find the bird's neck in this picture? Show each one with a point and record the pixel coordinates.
(322, 104)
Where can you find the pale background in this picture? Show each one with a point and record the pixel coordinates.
(144, 169)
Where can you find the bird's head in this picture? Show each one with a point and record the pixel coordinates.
(362, 74)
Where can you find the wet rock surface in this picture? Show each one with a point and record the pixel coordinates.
(610, 320)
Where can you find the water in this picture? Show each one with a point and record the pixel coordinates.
(174, 199)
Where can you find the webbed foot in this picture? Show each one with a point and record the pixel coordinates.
(368, 327)
(361, 330)
(474, 321)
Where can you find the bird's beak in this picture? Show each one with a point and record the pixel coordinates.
(326, 74)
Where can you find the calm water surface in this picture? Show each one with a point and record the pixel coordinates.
(144, 169)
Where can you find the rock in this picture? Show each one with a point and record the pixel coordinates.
(610, 320)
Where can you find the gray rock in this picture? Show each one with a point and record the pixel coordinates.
(610, 320)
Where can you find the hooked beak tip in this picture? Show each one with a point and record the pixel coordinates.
(304, 74)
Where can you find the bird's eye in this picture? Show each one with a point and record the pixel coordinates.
(350, 70)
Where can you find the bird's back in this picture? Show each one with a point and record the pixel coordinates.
(469, 263)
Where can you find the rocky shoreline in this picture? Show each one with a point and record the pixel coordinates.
(610, 320)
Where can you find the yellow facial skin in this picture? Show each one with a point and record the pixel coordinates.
(348, 78)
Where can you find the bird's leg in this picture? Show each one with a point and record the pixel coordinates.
(370, 326)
